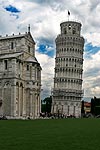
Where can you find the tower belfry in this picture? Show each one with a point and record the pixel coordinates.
(67, 91)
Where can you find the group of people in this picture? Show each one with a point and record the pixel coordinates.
(55, 116)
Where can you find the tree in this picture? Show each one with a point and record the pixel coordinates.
(93, 106)
(46, 104)
(82, 108)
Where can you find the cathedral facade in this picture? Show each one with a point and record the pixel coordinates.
(20, 77)
(67, 91)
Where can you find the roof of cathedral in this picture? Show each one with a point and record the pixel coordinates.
(13, 36)
(10, 55)
(32, 59)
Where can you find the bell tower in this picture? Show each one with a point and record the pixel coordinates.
(67, 91)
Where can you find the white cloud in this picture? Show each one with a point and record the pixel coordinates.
(92, 62)
(93, 38)
(91, 78)
(47, 64)
(6, 22)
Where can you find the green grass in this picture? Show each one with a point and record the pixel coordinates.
(54, 134)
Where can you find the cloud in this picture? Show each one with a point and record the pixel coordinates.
(7, 22)
(91, 78)
(47, 64)
(93, 38)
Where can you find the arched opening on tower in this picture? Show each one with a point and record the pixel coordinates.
(0, 102)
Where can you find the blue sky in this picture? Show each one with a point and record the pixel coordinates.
(12, 9)
(45, 17)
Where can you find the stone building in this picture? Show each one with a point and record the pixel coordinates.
(20, 77)
(67, 91)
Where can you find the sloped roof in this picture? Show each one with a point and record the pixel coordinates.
(11, 36)
(31, 59)
(17, 36)
(10, 55)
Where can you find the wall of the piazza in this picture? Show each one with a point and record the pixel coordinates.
(11, 44)
(19, 100)
(27, 99)
(29, 45)
(32, 71)
(17, 68)
(20, 78)
(7, 90)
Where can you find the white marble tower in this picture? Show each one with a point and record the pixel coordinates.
(67, 91)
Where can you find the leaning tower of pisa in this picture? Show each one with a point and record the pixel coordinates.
(67, 92)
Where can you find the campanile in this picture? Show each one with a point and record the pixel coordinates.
(67, 92)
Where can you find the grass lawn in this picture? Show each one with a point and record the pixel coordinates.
(54, 134)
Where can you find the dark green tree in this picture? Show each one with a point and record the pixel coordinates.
(46, 104)
(43, 107)
(93, 106)
(82, 108)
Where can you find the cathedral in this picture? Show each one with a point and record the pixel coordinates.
(20, 77)
(67, 92)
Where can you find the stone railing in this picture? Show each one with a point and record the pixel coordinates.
(67, 92)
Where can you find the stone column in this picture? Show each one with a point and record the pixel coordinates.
(38, 105)
(34, 106)
(24, 102)
(19, 101)
(30, 103)
(13, 100)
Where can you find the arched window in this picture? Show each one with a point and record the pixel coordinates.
(29, 49)
(74, 31)
(69, 27)
(21, 84)
(65, 31)
(12, 45)
(27, 67)
(17, 84)
(6, 64)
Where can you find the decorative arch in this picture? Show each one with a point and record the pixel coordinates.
(17, 84)
(0, 102)
(21, 84)
(7, 84)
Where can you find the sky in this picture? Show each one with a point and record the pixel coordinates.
(44, 17)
